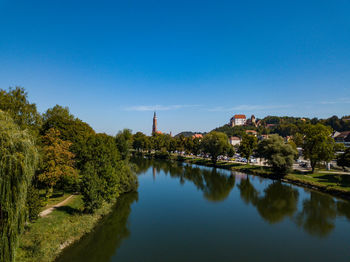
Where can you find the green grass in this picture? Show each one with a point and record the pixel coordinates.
(43, 240)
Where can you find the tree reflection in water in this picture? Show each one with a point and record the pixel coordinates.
(101, 244)
(318, 214)
(275, 203)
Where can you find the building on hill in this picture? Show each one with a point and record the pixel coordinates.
(251, 121)
(200, 136)
(238, 120)
(251, 132)
(234, 140)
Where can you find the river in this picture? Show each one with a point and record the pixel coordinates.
(191, 213)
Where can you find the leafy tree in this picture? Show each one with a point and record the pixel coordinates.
(105, 175)
(343, 160)
(279, 155)
(24, 114)
(58, 161)
(124, 143)
(139, 141)
(215, 144)
(318, 145)
(18, 157)
(247, 146)
(71, 129)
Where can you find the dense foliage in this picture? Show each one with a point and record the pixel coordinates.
(318, 145)
(247, 146)
(278, 154)
(343, 160)
(215, 144)
(58, 161)
(105, 175)
(17, 160)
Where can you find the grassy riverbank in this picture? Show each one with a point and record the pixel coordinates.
(44, 239)
(335, 184)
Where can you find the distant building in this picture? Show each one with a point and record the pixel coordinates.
(234, 140)
(251, 132)
(251, 121)
(342, 138)
(200, 136)
(238, 120)
(154, 126)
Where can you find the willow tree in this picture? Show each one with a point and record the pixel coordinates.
(17, 165)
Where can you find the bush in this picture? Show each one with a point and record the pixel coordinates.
(33, 203)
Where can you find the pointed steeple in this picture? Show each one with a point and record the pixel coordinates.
(154, 126)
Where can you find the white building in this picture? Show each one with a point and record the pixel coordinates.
(238, 120)
(234, 140)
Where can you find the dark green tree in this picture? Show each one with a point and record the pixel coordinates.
(278, 154)
(247, 146)
(215, 144)
(343, 160)
(318, 145)
(104, 175)
(124, 143)
(18, 157)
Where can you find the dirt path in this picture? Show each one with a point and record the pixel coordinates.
(49, 210)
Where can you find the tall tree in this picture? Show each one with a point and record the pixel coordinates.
(215, 144)
(58, 161)
(17, 160)
(24, 114)
(278, 154)
(318, 145)
(104, 175)
(124, 143)
(247, 146)
(71, 129)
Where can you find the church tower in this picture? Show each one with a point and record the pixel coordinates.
(154, 127)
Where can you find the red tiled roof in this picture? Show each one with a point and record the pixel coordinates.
(234, 138)
(197, 136)
(240, 116)
(251, 131)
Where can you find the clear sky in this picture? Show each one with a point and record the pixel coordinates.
(196, 62)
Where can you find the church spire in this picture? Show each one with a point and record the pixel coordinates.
(154, 126)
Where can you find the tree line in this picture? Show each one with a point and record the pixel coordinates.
(54, 151)
(315, 140)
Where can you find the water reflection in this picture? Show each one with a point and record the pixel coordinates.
(318, 214)
(215, 185)
(275, 202)
(109, 234)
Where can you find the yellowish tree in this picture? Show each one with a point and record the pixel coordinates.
(58, 161)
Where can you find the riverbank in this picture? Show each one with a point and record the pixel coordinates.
(335, 184)
(44, 239)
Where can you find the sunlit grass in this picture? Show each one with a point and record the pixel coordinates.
(43, 240)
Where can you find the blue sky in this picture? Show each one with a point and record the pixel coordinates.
(195, 62)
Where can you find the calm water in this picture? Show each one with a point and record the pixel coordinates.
(190, 213)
